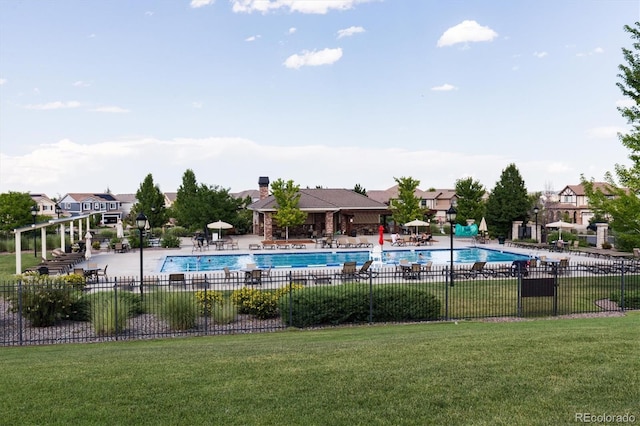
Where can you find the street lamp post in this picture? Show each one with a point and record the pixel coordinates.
(535, 211)
(451, 218)
(141, 221)
(34, 213)
(58, 210)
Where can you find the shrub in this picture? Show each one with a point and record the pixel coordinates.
(350, 303)
(207, 299)
(170, 241)
(79, 282)
(45, 301)
(262, 304)
(179, 309)
(95, 245)
(631, 299)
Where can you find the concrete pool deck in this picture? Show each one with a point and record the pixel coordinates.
(128, 264)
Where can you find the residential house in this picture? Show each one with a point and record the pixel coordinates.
(46, 207)
(75, 204)
(573, 204)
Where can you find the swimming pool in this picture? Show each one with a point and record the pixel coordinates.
(330, 258)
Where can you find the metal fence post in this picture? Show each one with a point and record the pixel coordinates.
(115, 298)
(370, 298)
(20, 310)
(622, 304)
(446, 294)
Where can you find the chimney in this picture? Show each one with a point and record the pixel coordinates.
(263, 184)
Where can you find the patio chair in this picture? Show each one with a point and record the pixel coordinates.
(349, 271)
(231, 275)
(177, 280)
(400, 267)
(254, 277)
(199, 282)
(102, 272)
(412, 273)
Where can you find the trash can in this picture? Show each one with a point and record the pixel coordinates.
(43, 270)
(353, 233)
(500, 239)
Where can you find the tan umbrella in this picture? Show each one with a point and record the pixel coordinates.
(416, 223)
(560, 225)
(219, 226)
(483, 225)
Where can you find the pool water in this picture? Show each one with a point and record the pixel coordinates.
(327, 258)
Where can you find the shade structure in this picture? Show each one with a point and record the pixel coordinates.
(483, 226)
(87, 247)
(560, 225)
(416, 223)
(219, 226)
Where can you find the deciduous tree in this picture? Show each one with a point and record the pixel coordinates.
(287, 196)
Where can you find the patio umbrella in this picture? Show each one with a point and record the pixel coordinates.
(483, 226)
(119, 229)
(219, 226)
(87, 246)
(417, 223)
(381, 235)
(560, 225)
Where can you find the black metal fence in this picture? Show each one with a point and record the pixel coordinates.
(47, 310)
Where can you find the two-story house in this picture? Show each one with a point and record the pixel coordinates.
(75, 204)
(46, 206)
(573, 204)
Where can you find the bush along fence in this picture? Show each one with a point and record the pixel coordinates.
(42, 309)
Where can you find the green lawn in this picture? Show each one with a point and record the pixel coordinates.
(8, 262)
(538, 372)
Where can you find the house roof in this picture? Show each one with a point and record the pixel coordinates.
(126, 198)
(579, 189)
(321, 199)
(82, 196)
(253, 193)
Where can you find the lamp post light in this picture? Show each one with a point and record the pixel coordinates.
(58, 210)
(141, 222)
(451, 218)
(34, 213)
(535, 211)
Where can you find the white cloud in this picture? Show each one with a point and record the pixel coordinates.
(625, 103)
(148, 13)
(348, 32)
(540, 54)
(306, 58)
(596, 51)
(200, 3)
(197, 104)
(110, 109)
(444, 88)
(465, 32)
(301, 6)
(605, 132)
(252, 38)
(3, 81)
(80, 83)
(55, 105)
(292, 30)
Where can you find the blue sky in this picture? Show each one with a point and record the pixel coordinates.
(98, 94)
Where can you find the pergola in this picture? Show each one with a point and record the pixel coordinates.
(43, 234)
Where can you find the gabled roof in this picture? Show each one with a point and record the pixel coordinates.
(253, 193)
(126, 198)
(82, 196)
(321, 199)
(579, 189)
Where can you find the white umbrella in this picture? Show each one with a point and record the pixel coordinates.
(483, 225)
(87, 246)
(219, 225)
(119, 229)
(560, 225)
(417, 223)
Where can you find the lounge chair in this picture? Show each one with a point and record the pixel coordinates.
(254, 247)
(365, 271)
(349, 271)
(342, 242)
(364, 242)
(321, 277)
(477, 269)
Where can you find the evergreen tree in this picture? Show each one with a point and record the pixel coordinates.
(287, 196)
(471, 204)
(623, 208)
(187, 204)
(507, 202)
(150, 202)
(407, 206)
(360, 190)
